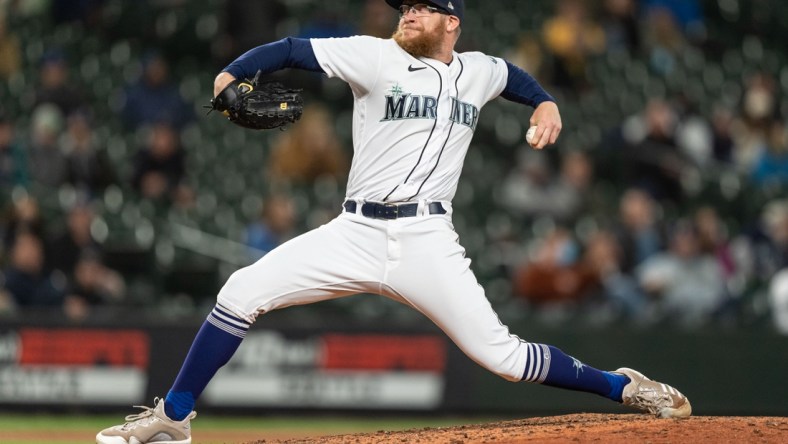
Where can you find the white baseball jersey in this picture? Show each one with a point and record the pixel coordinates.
(413, 119)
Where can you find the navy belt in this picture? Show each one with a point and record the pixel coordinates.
(376, 210)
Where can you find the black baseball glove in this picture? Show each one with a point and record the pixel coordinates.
(256, 105)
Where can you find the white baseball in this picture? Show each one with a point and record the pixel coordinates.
(529, 136)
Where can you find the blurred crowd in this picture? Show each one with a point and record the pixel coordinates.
(674, 213)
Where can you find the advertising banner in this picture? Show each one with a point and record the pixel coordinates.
(384, 371)
(343, 367)
(73, 366)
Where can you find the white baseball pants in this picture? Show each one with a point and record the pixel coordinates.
(415, 260)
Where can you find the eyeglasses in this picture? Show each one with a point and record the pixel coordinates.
(419, 9)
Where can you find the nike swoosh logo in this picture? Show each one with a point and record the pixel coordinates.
(411, 68)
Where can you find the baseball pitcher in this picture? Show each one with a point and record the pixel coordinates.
(416, 105)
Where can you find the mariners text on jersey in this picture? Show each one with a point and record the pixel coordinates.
(409, 106)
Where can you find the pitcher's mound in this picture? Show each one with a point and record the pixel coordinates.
(605, 428)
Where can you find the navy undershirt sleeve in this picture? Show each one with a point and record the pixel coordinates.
(286, 53)
(522, 88)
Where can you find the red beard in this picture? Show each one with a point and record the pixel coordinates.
(425, 44)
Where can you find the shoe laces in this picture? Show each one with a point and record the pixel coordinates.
(141, 419)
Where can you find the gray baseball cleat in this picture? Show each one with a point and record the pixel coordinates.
(150, 426)
(654, 397)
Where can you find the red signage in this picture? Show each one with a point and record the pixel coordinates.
(84, 347)
(384, 352)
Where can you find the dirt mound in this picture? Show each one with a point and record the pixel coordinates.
(581, 428)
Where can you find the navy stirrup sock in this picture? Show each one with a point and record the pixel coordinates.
(548, 365)
(214, 345)
(617, 382)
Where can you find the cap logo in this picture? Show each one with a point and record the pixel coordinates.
(450, 6)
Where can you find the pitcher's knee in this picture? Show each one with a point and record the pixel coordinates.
(233, 284)
(236, 294)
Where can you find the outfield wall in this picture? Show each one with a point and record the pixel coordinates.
(287, 366)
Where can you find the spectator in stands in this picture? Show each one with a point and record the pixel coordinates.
(715, 241)
(528, 55)
(532, 190)
(713, 238)
(575, 186)
(664, 40)
(92, 284)
(603, 258)
(311, 149)
(24, 216)
(553, 274)
(771, 166)
(652, 158)
(769, 244)
(161, 165)
(13, 158)
(571, 38)
(688, 283)
(621, 25)
(638, 229)
(55, 86)
(89, 168)
(48, 164)
(65, 248)
(154, 98)
(694, 135)
(759, 102)
(276, 225)
(759, 106)
(26, 279)
(10, 50)
(557, 273)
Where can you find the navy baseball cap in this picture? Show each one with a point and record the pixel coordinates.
(453, 7)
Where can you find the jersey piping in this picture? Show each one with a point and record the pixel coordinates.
(424, 148)
(437, 161)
